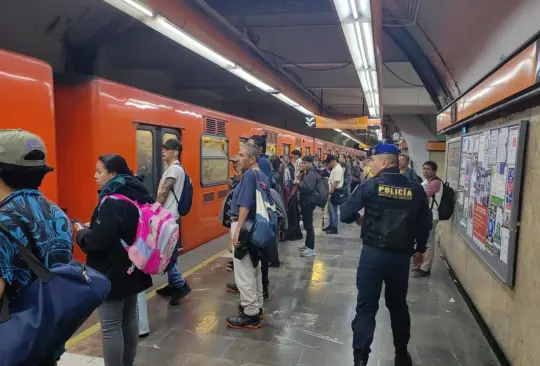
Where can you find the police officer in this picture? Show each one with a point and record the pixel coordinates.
(396, 215)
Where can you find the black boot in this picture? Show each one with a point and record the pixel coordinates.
(165, 291)
(360, 359)
(403, 359)
(179, 293)
(244, 321)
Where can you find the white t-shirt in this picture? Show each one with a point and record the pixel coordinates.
(176, 171)
(336, 175)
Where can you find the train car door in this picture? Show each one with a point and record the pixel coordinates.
(150, 165)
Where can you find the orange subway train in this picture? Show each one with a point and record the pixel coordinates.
(84, 119)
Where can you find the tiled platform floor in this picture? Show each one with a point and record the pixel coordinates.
(307, 319)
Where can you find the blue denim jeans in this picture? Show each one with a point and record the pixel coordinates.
(332, 214)
(175, 277)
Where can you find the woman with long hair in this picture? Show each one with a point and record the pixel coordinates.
(113, 221)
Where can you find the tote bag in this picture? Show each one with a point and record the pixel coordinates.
(41, 318)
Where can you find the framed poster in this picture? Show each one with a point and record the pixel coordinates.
(488, 190)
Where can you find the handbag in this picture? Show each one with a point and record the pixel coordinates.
(39, 320)
(339, 196)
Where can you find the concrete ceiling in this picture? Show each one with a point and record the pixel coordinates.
(427, 62)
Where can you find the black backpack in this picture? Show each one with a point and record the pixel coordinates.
(446, 206)
(320, 196)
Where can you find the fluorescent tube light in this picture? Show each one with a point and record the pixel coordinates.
(143, 9)
(354, 11)
(338, 130)
(360, 42)
(243, 74)
(368, 38)
(372, 111)
(169, 30)
(286, 99)
(304, 110)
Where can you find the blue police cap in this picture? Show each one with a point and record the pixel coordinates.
(383, 148)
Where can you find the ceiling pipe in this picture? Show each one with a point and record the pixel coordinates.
(203, 5)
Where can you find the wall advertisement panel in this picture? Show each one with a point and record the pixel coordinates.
(487, 209)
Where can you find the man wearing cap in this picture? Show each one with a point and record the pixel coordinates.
(307, 188)
(22, 206)
(396, 215)
(169, 193)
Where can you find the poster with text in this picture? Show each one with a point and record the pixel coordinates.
(512, 145)
(470, 218)
(480, 224)
(465, 212)
(501, 149)
(509, 196)
(493, 147)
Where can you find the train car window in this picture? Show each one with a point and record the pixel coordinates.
(286, 149)
(214, 160)
(271, 149)
(308, 150)
(319, 152)
(145, 158)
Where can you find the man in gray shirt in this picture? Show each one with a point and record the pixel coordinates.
(405, 170)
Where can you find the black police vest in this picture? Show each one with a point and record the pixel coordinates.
(390, 217)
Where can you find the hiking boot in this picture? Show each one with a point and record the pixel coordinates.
(327, 228)
(403, 359)
(179, 293)
(231, 287)
(421, 273)
(261, 311)
(244, 321)
(165, 291)
(266, 293)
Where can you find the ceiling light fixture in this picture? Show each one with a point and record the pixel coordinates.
(170, 30)
(356, 22)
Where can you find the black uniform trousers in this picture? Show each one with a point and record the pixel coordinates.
(377, 266)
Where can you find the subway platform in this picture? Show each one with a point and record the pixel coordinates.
(307, 320)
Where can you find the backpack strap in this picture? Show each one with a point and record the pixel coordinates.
(434, 201)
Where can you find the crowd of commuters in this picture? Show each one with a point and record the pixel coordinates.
(290, 188)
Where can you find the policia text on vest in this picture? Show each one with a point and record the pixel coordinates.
(397, 216)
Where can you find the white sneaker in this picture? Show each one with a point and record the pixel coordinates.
(307, 253)
(302, 248)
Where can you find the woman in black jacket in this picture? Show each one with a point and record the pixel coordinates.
(113, 221)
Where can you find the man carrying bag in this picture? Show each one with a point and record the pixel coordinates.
(36, 316)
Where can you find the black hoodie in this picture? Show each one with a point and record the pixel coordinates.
(113, 221)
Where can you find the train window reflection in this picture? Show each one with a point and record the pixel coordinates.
(214, 160)
(214, 171)
(145, 158)
(271, 149)
(286, 149)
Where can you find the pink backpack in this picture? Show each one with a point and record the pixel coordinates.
(156, 238)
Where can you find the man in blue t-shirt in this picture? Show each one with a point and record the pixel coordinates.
(248, 278)
(28, 215)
